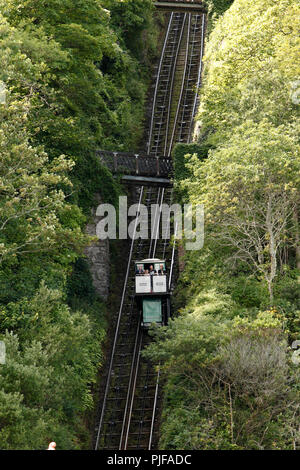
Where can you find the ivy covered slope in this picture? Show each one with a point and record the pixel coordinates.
(231, 380)
(215, 8)
(75, 75)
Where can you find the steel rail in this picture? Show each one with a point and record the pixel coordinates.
(172, 84)
(155, 219)
(173, 256)
(160, 132)
(135, 358)
(181, 90)
(157, 80)
(158, 224)
(187, 79)
(168, 89)
(133, 390)
(169, 220)
(130, 382)
(154, 409)
(120, 376)
(136, 361)
(117, 328)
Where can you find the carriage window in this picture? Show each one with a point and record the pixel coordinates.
(160, 268)
(150, 268)
(139, 269)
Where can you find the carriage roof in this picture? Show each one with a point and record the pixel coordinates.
(151, 260)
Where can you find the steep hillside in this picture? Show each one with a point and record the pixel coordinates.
(74, 76)
(231, 380)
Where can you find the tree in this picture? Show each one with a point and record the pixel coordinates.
(30, 198)
(52, 357)
(73, 85)
(250, 189)
(229, 384)
(83, 97)
(133, 19)
(251, 62)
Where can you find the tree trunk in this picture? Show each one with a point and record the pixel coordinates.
(272, 250)
(297, 238)
(270, 289)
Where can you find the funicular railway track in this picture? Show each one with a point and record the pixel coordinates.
(186, 32)
(139, 422)
(128, 415)
(116, 419)
(160, 118)
(187, 103)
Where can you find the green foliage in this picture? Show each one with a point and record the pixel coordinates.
(218, 7)
(80, 283)
(249, 187)
(87, 87)
(133, 21)
(181, 170)
(250, 121)
(30, 201)
(230, 381)
(215, 9)
(51, 359)
(250, 61)
(76, 76)
(21, 277)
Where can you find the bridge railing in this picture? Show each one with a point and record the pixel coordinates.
(196, 2)
(136, 164)
(183, 5)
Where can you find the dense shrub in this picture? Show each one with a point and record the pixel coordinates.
(229, 383)
(52, 358)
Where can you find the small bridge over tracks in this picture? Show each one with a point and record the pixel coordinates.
(138, 165)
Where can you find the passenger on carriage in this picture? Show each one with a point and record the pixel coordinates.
(161, 269)
(152, 269)
(140, 269)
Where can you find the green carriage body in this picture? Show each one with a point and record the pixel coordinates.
(152, 311)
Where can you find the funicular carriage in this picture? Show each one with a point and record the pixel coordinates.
(152, 291)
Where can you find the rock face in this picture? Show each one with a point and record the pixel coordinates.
(98, 257)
